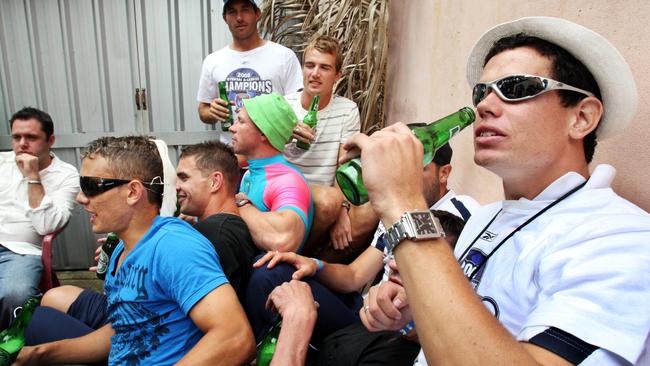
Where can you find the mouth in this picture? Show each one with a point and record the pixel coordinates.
(487, 135)
(92, 216)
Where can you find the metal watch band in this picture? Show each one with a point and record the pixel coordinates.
(414, 225)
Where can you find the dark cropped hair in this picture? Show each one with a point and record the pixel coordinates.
(30, 112)
(451, 224)
(214, 156)
(564, 67)
(131, 157)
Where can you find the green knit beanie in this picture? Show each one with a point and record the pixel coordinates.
(273, 116)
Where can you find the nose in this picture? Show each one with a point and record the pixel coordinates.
(81, 198)
(489, 105)
(317, 71)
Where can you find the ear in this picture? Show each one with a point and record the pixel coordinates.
(216, 181)
(135, 192)
(443, 174)
(50, 141)
(588, 113)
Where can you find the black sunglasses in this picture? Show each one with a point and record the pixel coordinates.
(93, 186)
(514, 88)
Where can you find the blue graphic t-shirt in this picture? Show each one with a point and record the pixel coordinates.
(151, 295)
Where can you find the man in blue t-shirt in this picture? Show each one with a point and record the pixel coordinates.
(169, 300)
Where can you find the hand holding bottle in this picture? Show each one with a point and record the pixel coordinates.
(303, 133)
(218, 110)
(392, 170)
(310, 121)
(349, 176)
(287, 342)
(223, 96)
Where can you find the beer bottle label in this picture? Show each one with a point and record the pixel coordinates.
(102, 264)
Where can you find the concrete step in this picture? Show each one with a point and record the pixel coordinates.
(83, 279)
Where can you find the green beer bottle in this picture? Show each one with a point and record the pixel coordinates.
(12, 339)
(223, 94)
(310, 120)
(266, 348)
(105, 255)
(433, 136)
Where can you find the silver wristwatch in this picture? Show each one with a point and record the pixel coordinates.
(413, 225)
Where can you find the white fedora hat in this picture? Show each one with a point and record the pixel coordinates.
(603, 60)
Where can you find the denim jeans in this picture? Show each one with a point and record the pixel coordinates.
(19, 279)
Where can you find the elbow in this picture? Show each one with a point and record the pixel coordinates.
(54, 224)
(249, 348)
(244, 342)
(284, 242)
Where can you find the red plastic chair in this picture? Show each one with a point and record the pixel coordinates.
(48, 278)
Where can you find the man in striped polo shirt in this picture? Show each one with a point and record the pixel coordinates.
(338, 119)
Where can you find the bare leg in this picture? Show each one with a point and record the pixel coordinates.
(61, 297)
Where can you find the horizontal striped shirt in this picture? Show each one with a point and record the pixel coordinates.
(336, 123)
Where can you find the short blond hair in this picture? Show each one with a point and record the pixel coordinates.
(327, 44)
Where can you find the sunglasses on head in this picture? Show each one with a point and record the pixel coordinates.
(514, 88)
(93, 186)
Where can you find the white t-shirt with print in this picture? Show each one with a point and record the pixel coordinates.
(263, 70)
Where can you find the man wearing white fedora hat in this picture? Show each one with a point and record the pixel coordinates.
(560, 267)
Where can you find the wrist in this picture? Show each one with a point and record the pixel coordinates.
(395, 211)
(319, 265)
(32, 176)
(346, 205)
(299, 316)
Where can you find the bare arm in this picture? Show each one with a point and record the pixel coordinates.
(295, 303)
(93, 347)
(341, 278)
(341, 231)
(274, 230)
(228, 338)
(347, 278)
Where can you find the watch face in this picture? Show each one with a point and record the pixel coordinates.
(423, 223)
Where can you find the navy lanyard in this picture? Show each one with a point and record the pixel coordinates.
(474, 271)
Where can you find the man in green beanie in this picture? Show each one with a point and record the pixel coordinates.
(280, 212)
